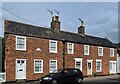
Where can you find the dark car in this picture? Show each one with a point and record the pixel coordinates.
(63, 76)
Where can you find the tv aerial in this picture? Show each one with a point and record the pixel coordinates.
(82, 23)
(56, 12)
(50, 12)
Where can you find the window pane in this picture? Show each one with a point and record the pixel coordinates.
(20, 43)
(70, 48)
(98, 66)
(110, 66)
(78, 64)
(111, 52)
(86, 50)
(53, 66)
(38, 66)
(53, 46)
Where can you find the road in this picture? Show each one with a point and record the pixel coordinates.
(115, 79)
(103, 80)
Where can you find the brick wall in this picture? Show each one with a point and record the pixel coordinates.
(30, 54)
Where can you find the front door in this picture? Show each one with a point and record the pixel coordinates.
(113, 67)
(20, 68)
(89, 67)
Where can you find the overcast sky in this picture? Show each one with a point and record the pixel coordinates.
(100, 18)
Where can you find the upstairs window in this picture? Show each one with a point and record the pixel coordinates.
(100, 51)
(53, 46)
(20, 43)
(86, 49)
(111, 52)
(70, 48)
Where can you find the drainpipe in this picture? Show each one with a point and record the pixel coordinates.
(63, 54)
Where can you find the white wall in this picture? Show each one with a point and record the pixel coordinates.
(118, 64)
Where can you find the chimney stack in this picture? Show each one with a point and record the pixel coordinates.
(55, 24)
(81, 29)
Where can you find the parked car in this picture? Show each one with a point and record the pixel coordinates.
(63, 76)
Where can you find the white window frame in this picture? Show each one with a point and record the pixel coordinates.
(50, 46)
(50, 65)
(87, 49)
(41, 65)
(113, 52)
(99, 60)
(99, 54)
(69, 48)
(24, 43)
(78, 60)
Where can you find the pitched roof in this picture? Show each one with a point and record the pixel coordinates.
(17, 28)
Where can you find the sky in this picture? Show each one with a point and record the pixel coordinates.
(100, 18)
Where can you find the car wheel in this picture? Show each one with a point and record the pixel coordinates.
(79, 80)
(54, 82)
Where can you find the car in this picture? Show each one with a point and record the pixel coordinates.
(63, 76)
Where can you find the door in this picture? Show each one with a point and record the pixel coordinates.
(118, 64)
(89, 67)
(112, 67)
(20, 68)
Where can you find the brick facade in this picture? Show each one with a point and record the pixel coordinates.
(38, 37)
(30, 54)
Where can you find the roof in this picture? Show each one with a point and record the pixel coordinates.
(17, 28)
(117, 45)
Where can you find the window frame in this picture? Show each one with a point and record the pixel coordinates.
(68, 51)
(24, 43)
(88, 53)
(78, 60)
(99, 60)
(99, 54)
(41, 65)
(112, 53)
(50, 65)
(50, 46)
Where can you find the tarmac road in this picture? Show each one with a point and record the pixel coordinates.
(113, 79)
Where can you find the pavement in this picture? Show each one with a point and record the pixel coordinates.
(110, 78)
(87, 79)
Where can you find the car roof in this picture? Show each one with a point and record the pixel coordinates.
(70, 69)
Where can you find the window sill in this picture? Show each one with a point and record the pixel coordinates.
(20, 50)
(38, 72)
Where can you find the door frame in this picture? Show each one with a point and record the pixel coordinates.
(89, 61)
(16, 69)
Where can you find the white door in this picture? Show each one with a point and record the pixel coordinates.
(113, 67)
(118, 64)
(20, 68)
(89, 67)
